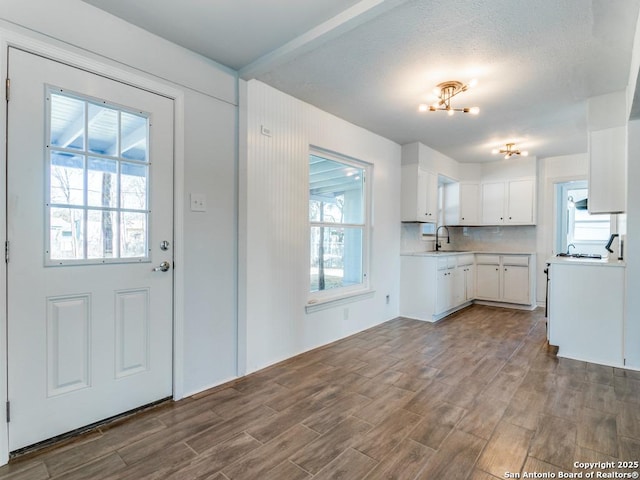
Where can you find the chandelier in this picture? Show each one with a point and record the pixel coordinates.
(509, 150)
(445, 92)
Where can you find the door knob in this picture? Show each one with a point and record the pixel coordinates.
(163, 267)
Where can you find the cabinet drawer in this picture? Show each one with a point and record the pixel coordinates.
(447, 262)
(488, 259)
(465, 260)
(516, 260)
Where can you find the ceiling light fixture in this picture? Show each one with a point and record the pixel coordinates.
(445, 92)
(510, 150)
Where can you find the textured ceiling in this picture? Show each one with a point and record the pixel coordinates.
(536, 62)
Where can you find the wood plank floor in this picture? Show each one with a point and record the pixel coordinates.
(473, 397)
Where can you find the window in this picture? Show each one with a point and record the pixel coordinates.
(587, 233)
(338, 224)
(98, 172)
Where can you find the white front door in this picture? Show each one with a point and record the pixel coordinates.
(89, 218)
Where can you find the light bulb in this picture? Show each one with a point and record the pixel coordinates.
(423, 108)
(450, 112)
(473, 83)
(506, 157)
(474, 110)
(524, 154)
(495, 150)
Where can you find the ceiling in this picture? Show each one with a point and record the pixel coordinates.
(372, 62)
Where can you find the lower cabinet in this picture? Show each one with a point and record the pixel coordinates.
(433, 286)
(504, 278)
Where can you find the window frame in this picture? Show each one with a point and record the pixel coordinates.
(48, 149)
(339, 294)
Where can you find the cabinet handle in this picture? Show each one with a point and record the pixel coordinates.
(497, 269)
(501, 218)
(462, 218)
(505, 269)
(509, 218)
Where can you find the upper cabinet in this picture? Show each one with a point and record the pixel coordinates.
(419, 195)
(511, 202)
(607, 170)
(461, 203)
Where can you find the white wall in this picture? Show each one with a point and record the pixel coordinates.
(274, 247)
(552, 170)
(632, 250)
(205, 145)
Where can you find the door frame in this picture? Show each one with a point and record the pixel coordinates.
(41, 45)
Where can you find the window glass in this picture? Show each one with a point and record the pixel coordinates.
(338, 226)
(98, 170)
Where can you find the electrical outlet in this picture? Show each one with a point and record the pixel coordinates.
(198, 202)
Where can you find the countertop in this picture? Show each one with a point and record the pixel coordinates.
(439, 253)
(600, 262)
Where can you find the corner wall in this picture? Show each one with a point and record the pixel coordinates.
(274, 237)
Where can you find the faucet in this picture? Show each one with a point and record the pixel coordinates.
(569, 246)
(438, 246)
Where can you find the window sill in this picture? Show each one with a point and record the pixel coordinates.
(318, 304)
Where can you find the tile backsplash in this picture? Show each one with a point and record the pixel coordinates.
(495, 238)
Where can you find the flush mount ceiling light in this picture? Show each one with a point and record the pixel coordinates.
(445, 92)
(509, 150)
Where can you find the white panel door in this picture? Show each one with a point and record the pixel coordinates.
(90, 201)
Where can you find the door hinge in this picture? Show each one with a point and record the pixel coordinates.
(7, 88)
(8, 411)
(6, 251)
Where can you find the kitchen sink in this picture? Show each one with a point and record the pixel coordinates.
(449, 251)
(579, 255)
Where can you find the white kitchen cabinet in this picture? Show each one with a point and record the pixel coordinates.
(504, 278)
(488, 281)
(419, 195)
(461, 203)
(586, 310)
(510, 202)
(466, 279)
(515, 285)
(430, 286)
(493, 200)
(607, 170)
(444, 300)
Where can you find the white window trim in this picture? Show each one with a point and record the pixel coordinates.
(337, 296)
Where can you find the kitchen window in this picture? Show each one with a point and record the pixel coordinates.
(586, 233)
(339, 210)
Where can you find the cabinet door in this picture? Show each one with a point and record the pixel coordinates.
(469, 283)
(457, 286)
(521, 201)
(443, 298)
(430, 205)
(419, 202)
(488, 282)
(516, 284)
(493, 196)
(607, 175)
(469, 204)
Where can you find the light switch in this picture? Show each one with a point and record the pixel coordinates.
(198, 202)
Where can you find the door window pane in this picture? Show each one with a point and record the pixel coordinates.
(102, 234)
(103, 130)
(66, 179)
(66, 233)
(134, 137)
(66, 122)
(134, 234)
(134, 186)
(102, 183)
